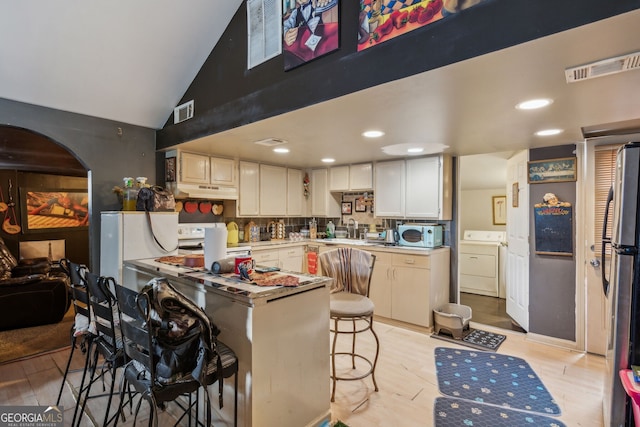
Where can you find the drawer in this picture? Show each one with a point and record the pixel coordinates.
(406, 260)
(262, 256)
(292, 252)
(383, 257)
(478, 265)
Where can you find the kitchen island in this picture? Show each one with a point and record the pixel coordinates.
(279, 334)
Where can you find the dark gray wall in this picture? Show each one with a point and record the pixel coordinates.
(96, 144)
(227, 95)
(552, 279)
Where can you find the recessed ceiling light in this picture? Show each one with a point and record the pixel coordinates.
(415, 150)
(549, 132)
(328, 160)
(373, 134)
(532, 104)
(281, 150)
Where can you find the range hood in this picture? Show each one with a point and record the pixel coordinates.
(202, 191)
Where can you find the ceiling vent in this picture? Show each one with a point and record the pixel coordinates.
(602, 68)
(271, 142)
(183, 112)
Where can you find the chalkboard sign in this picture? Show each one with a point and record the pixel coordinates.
(554, 230)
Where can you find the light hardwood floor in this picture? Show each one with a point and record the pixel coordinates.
(405, 375)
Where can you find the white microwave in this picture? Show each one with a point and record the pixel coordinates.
(420, 235)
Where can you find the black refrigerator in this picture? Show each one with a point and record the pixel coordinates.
(622, 287)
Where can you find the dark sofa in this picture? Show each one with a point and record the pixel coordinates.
(30, 293)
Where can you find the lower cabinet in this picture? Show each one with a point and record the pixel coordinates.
(408, 287)
(290, 259)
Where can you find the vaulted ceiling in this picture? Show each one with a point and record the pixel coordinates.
(131, 61)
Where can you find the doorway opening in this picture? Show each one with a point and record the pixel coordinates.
(482, 238)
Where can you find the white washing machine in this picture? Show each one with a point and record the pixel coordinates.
(479, 262)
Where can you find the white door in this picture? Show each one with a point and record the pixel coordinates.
(518, 239)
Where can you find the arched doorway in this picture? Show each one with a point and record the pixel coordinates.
(32, 162)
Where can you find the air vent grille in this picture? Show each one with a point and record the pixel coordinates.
(271, 142)
(603, 68)
(183, 112)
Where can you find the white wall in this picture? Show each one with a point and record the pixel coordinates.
(476, 209)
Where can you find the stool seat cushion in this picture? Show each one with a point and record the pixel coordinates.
(345, 304)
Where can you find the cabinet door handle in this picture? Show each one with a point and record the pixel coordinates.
(473, 257)
(409, 261)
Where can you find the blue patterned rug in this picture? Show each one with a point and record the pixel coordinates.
(450, 412)
(494, 379)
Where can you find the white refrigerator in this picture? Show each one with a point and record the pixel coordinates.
(127, 235)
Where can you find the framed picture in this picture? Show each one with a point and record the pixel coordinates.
(499, 210)
(360, 205)
(346, 208)
(515, 195)
(553, 170)
(309, 31)
(53, 210)
(170, 169)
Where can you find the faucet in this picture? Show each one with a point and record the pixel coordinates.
(355, 228)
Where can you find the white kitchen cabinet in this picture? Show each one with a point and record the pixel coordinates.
(380, 289)
(249, 194)
(288, 259)
(266, 258)
(422, 188)
(273, 190)
(323, 203)
(223, 171)
(390, 189)
(415, 188)
(339, 178)
(295, 193)
(361, 177)
(407, 287)
(351, 178)
(194, 168)
(291, 259)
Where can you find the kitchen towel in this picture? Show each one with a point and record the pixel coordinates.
(215, 245)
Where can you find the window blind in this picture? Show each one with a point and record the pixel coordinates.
(605, 168)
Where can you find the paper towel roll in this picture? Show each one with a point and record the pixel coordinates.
(215, 245)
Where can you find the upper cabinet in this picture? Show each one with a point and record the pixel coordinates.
(351, 178)
(223, 171)
(267, 190)
(193, 175)
(323, 203)
(194, 168)
(248, 200)
(415, 188)
(273, 190)
(389, 190)
(295, 193)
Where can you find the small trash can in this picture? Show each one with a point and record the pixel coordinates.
(453, 318)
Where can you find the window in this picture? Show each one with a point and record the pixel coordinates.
(605, 168)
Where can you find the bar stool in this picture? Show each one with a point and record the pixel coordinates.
(351, 271)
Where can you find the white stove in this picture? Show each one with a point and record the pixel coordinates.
(191, 240)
